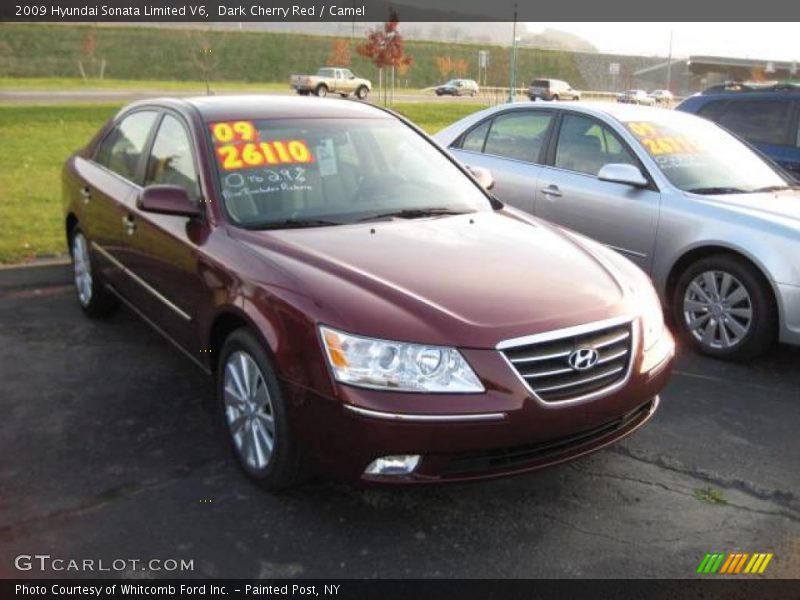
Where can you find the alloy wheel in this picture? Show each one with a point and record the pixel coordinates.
(248, 410)
(82, 268)
(717, 309)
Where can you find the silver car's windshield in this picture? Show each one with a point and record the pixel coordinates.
(700, 157)
(314, 172)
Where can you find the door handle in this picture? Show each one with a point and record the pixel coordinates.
(129, 223)
(86, 194)
(552, 191)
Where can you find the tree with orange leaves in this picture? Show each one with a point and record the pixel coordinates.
(340, 54)
(385, 47)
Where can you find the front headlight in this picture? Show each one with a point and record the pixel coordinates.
(397, 366)
(652, 315)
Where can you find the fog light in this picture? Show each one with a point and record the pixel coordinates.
(402, 464)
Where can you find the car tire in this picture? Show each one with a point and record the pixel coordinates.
(362, 92)
(251, 400)
(321, 90)
(723, 307)
(94, 298)
(555, 98)
(303, 92)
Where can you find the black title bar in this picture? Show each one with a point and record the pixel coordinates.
(379, 10)
(345, 589)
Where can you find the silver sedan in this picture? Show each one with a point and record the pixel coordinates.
(715, 224)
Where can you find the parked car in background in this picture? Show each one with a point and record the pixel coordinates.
(766, 116)
(261, 236)
(662, 96)
(640, 97)
(716, 225)
(458, 87)
(552, 89)
(329, 80)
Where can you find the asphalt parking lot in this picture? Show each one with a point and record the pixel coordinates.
(108, 449)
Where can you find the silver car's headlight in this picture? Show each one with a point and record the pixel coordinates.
(397, 366)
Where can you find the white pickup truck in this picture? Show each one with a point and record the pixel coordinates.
(331, 80)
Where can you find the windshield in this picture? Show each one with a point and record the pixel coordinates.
(314, 172)
(700, 157)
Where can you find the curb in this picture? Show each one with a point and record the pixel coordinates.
(48, 272)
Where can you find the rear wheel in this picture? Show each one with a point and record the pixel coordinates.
(555, 98)
(321, 90)
(724, 308)
(95, 300)
(254, 413)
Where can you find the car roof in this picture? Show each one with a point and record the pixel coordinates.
(262, 106)
(619, 111)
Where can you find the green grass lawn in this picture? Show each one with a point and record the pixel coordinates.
(37, 140)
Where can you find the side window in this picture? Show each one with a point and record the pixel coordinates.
(474, 140)
(713, 110)
(170, 161)
(797, 137)
(518, 135)
(758, 121)
(586, 146)
(122, 148)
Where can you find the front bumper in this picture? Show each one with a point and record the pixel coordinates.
(500, 432)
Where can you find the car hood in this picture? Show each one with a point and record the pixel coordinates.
(468, 280)
(781, 208)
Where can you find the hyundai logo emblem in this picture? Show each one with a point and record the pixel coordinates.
(583, 359)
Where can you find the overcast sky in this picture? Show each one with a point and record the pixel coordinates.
(777, 41)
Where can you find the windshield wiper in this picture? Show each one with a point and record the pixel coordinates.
(776, 188)
(414, 213)
(296, 224)
(716, 190)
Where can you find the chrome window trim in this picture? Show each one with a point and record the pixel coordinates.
(425, 418)
(569, 332)
(141, 281)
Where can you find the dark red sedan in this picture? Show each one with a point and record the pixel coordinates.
(366, 309)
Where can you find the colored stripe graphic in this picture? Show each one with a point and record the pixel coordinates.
(734, 563)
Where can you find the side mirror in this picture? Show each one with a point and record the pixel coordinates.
(622, 173)
(168, 200)
(483, 176)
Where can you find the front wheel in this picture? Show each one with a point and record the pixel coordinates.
(362, 92)
(95, 300)
(254, 413)
(724, 308)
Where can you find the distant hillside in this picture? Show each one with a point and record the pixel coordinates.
(160, 53)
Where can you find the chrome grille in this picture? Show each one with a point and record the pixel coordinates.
(545, 366)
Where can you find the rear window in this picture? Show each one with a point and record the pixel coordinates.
(764, 121)
(336, 170)
(543, 83)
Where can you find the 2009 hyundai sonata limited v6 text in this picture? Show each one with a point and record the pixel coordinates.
(367, 309)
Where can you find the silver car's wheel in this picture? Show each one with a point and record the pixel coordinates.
(248, 410)
(82, 267)
(717, 310)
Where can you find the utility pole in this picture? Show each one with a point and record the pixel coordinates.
(513, 74)
(669, 62)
